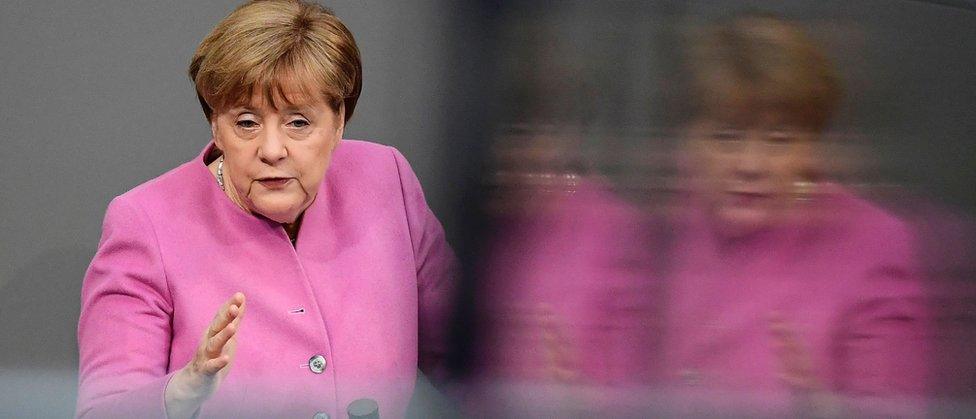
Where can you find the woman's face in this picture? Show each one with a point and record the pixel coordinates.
(748, 169)
(275, 159)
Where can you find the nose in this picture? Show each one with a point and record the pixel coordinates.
(273, 148)
(751, 160)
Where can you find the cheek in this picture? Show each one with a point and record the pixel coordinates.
(239, 162)
(236, 150)
(313, 173)
(787, 169)
(716, 166)
(704, 160)
(314, 161)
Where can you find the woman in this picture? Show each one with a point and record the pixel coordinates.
(326, 244)
(783, 285)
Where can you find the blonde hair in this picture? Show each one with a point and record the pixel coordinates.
(265, 46)
(761, 62)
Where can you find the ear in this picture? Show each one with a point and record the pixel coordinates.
(341, 115)
(213, 133)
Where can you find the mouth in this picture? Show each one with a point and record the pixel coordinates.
(274, 182)
(747, 198)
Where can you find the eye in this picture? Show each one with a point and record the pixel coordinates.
(726, 135)
(246, 124)
(299, 123)
(780, 137)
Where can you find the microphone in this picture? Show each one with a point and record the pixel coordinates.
(363, 409)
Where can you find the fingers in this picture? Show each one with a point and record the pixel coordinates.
(796, 365)
(227, 313)
(784, 339)
(213, 366)
(215, 344)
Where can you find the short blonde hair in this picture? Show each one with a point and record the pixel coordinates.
(763, 62)
(265, 45)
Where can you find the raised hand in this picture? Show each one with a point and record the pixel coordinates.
(199, 379)
(798, 372)
(796, 368)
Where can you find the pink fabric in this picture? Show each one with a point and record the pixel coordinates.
(366, 287)
(689, 315)
(844, 278)
(568, 293)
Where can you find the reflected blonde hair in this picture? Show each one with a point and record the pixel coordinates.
(265, 46)
(763, 63)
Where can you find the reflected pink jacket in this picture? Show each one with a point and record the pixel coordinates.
(569, 292)
(846, 281)
(365, 287)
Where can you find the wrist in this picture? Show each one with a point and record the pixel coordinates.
(184, 394)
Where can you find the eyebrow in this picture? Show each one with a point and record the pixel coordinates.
(285, 110)
(296, 109)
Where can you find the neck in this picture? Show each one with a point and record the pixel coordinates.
(292, 228)
(227, 187)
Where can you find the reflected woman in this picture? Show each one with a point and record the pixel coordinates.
(783, 283)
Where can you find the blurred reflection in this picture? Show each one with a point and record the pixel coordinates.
(715, 265)
(783, 283)
(565, 286)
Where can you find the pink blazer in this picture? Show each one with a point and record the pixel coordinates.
(588, 288)
(846, 281)
(568, 292)
(365, 287)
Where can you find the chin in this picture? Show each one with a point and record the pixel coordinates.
(741, 222)
(281, 212)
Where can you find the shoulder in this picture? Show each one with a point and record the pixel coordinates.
(588, 216)
(867, 240)
(590, 203)
(160, 191)
(880, 250)
(358, 152)
(358, 162)
(865, 222)
(180, 195)
(362, 156)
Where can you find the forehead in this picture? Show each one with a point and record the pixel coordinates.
(284, 90)
(279, 98)
(754, 113)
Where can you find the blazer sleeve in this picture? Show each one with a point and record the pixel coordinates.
(124, 330)
(884, 338)
(436, 270)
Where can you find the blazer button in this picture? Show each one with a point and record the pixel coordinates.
(321, 415)
(317, 364)
(363, 409)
